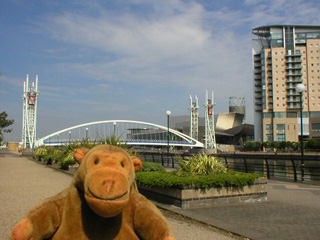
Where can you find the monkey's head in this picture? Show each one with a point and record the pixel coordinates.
(106, 177)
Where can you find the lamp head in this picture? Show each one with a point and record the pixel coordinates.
(300, 88)
(168, 112)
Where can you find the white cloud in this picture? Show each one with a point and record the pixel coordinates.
(177, 44)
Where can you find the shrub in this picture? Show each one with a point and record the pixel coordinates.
(171, 179)
(312, 144)
(275, 144)
(266, 144)
(40, 151)
(295, 145)
(113, 140)
(152, 167)
(200, 164)
(252, 146)
(68, 158)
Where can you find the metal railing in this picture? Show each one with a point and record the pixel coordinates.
(274, 166)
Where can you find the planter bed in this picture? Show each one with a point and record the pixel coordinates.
(191, 197)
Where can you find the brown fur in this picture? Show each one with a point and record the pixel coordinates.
(102, 202)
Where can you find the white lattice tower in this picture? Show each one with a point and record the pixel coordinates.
(194, 118)
(29, 117)
(210, 139)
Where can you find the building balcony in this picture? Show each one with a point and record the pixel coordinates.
(293, 94)
(293, 55)
(294, 61)
(295, 67)
(291, 88)
(296, 74)
(295, 81)
(294, 107)
(293, 101)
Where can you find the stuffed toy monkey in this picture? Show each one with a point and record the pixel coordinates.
(102, 202)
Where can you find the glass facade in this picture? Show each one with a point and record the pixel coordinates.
(269, 133)
(281, 132)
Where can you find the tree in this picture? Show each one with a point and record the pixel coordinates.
(4, 123)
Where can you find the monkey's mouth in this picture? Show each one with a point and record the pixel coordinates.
(106, 199)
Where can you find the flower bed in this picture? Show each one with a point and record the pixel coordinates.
(202, 191)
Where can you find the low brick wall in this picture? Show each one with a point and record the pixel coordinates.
(195, 197)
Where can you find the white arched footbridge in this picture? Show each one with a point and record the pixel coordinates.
(127, 131)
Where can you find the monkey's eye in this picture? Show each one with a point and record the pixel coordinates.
(122, 164)
(96, 161)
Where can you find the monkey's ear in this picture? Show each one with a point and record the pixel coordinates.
(137, 163)
(80, 153)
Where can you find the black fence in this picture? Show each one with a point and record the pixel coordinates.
(274, 166)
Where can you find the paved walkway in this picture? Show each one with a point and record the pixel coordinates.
(23, 183)
(291, 212)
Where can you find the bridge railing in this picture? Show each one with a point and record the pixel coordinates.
(274, 166)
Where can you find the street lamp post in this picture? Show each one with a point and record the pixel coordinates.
(87, 134)
(300, 88)
(69, 137)
(114, 129)
(168, 115)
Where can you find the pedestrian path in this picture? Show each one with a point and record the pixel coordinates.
(24, 183)
(291, 212)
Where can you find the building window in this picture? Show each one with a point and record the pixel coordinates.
(280, 114)
(281, 129)
(269, 132)
(291, 114)
(315, 127)
(314, 114)
(267, 115)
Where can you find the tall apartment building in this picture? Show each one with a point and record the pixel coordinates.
(284, 56)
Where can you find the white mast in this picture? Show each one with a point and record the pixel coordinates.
(29, 116)
(194, 118)
(210, 139)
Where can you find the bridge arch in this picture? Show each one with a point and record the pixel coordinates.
(127, 131)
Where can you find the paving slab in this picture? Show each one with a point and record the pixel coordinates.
(24, 183)
(291, 212)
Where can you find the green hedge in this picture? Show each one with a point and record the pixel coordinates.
(170, 179)
(152, 167)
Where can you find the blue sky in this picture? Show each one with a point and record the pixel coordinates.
(105, 60)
